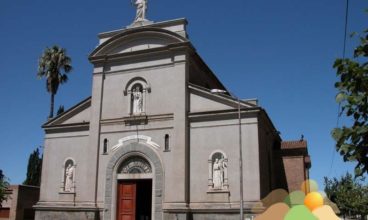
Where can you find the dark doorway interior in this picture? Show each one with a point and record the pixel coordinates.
(144, 200)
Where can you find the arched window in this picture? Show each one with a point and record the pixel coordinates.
(105, 144)
(167, 143)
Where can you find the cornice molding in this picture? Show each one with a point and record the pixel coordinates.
(144, 31)
(103, 59)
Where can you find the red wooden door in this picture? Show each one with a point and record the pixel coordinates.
(126, 201)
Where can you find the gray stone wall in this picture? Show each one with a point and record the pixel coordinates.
(68, 215)
(58, 148)
(211, 135)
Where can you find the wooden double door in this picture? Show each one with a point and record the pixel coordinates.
(134, 200)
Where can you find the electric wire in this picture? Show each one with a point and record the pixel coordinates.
(346, 28)
(343, 57)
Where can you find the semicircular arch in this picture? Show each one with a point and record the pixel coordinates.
(139, 39)
(117, 159)
(216, 152)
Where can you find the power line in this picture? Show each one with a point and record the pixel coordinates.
(346, 28)
(343, 56)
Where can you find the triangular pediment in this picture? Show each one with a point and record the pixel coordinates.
(78, 114)
(202, 100)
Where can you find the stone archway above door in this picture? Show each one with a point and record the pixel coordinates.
(118, 160)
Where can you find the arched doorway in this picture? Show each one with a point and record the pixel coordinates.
(137, 169)
(134, 189)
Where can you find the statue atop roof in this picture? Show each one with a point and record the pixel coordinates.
(140, 17)
(141, 10)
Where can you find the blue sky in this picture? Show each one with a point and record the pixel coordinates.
(280, 52)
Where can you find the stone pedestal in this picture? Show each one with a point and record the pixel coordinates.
(140, 23)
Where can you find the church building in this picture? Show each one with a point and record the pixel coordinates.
(161, 138)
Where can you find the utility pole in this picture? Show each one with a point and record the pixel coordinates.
(219, 91)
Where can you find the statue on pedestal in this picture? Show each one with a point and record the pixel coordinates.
(137, 100)
(69, 176)
(218, 173)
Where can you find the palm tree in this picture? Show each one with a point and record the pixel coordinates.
(53, 65)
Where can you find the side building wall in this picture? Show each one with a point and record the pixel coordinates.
(296, 162)
(20, 202)
(220, 134)
(295, 172)
(55, 202)
(59, 148)
(266, 139)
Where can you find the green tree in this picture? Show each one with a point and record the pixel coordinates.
(4, 184)
(349, 194)
(34, 169)
(352, 141)
(54, 65)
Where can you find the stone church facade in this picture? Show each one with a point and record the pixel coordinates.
(156, 141)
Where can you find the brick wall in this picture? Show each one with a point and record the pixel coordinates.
(296, 163)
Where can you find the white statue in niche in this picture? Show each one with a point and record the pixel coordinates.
(137, 100)
(218, 173)
(69, 175)
(141, 10)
